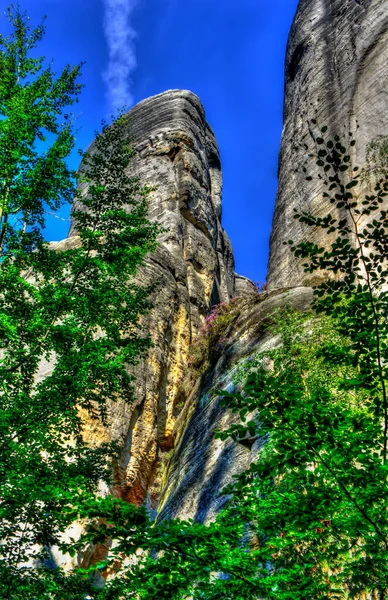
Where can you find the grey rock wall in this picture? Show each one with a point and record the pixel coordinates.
(336, 71)
(177, 154)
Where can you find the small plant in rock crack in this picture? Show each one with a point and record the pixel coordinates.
(377, 158)
(260, 287)
(212, 334)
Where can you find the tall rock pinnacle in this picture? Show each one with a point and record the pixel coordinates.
(193, 267)
(336, 73)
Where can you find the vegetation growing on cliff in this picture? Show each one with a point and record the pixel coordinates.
(74, 306)
(213, 334)
(318, 494)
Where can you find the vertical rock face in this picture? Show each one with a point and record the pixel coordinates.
(176, 153)
(336, 73)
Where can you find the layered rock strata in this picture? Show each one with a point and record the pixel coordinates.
(337, 74)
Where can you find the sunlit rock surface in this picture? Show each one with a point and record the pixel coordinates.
(176, 152)
(337, 73)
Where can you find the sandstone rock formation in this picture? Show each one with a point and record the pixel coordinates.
(336, 73)
(176, 153)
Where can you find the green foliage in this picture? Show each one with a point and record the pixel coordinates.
(77, 308)
(308, 519)
(32, 104)
(174, 559)
(317, 493)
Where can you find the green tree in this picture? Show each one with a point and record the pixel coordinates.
(76, 307)
(309, 518)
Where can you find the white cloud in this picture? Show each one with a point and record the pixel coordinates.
(120, 37)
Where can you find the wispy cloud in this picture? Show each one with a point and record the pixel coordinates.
(120, 37)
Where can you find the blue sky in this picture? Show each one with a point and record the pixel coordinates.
(229, 52)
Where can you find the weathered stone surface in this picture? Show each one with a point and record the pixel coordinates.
(176, 152)
(193, 266)
(337, 73)
(201, 466)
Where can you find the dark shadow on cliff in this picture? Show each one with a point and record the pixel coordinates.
(195, 449)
